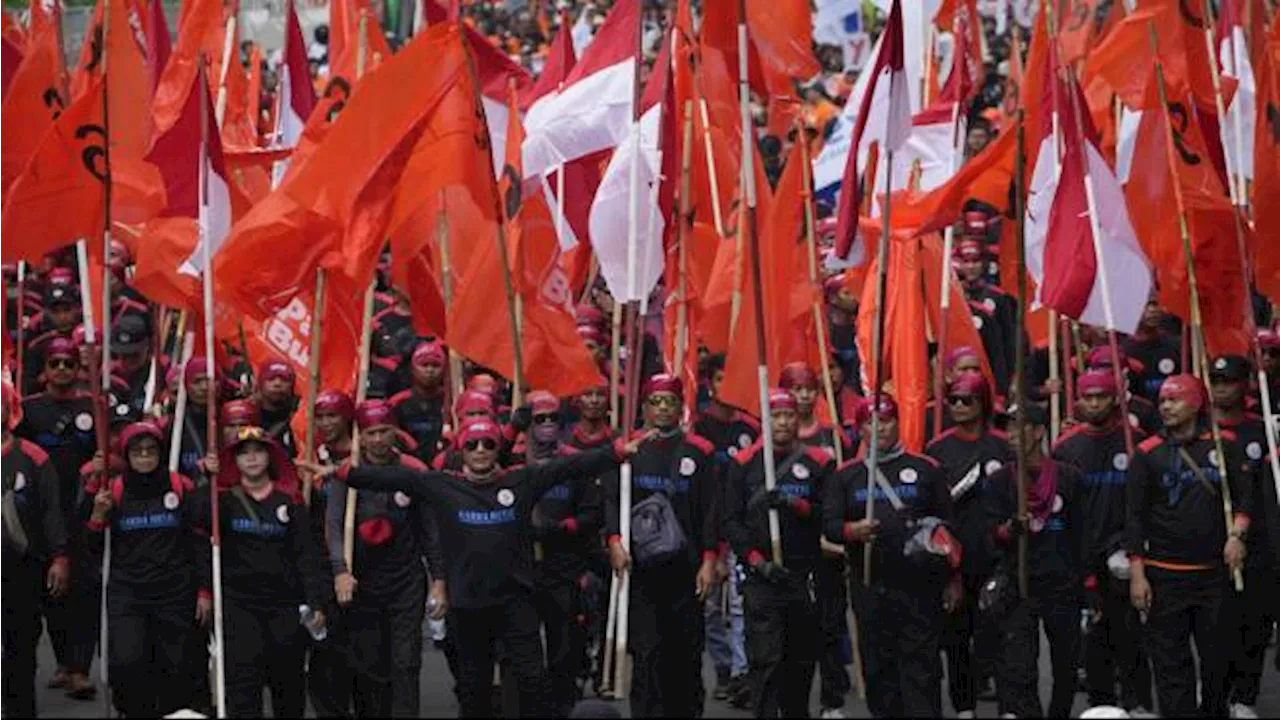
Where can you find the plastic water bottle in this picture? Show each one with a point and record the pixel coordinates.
(307, 617)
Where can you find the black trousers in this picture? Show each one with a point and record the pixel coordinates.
(384, 645)
(665, 637)
(22, 586)
(147, 648)
(832, 604)
(477, 633)
(330, 681)
(1187, 606)
(971, 644)
(1113, 651)
(1057, 607)
(73, 621)
(566, 639)
(265, 647)
(782, 646)
(1257, 609)
(899, 634)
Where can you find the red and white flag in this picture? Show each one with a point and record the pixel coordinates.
(1104, 282)
(214, 190)
(1233, 57)
(297, 94)
(886, 108)
(593, 111)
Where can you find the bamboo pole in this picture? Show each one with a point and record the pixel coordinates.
(682, 239)
(1020, 350)
(948, 237)
(313, 371)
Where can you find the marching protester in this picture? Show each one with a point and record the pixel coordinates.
(914, 565)
(1182, 554)
(1113, 642)
(195, 448)
(991, 307)
(970, 453)
(276, 401)
(782, 623)
(675, 488)
(1157, 354)
(420, 409)
(159, 592)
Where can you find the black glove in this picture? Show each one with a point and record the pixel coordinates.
(522, 418)
(772, 572)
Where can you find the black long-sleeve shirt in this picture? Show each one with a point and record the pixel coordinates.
(567, 519)
(64, 428)
(1098, 452)
(918, 482)
(422, 416)
(801, 475)
(269, 557)
(486, 526)
(968, 461)
(31, 499)
(685, 468)
(159, 548)
(395, 532)
(1053, 541)
(1172, 518)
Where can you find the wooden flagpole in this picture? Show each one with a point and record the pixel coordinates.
(682, 239)
(819, 318)
(944, 306)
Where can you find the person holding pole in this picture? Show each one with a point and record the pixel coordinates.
(969, 453)
(35, 555)
(276, 400)
(802, 382)
(1056, 583)
(420, 409)
(675, 546)
(1158, 355)
(61, 421)
(915, 562)
(271, 567)
(159, 590)
(779, 607)
(195, 447)
(1182, 552)
(1096, 447)
(485, 519)
(993, 310)
(383, 593)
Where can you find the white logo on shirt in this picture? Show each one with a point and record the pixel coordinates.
(1057, 503)
(282, 514)
(1253, 450)
(800, 471)
(977, 322)
(506, 498)
(19, 482)
(1121, 462)
(400, 499)
(993, 466)
(1165, 366)
(1220, 364)
(744, 441)
(84, 422)
(171, 500)
(908, 476)
(1213, 458)
(688, 467)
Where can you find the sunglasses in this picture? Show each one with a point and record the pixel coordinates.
(660, 400)
(965, 400)
(250, 432)
(545, 418)
(485, 443)
(62, 364)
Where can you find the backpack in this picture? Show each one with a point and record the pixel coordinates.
(656, 535)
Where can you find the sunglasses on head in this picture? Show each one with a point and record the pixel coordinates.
(485, 443)
(660, 400)
(62, 364)
(543, 418)
(965, 400)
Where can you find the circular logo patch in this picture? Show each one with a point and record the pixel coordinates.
(282, 514)
(171, 500)
(1220, 364)
(993, 466)
(744, 440)
(1057, 503)
(84, 422)
(977, 322)
(800, 471)
(1253, 450)
(1165, 366)
(688, 467)
(401, 499)
(1037, 525)
(1133, 420)
(908, 476)
(506, 498)
(122, 410)
(1120, 462)
(989, 304)
(19, 482)
(1213, 458)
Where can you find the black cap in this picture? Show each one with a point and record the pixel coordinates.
(1229, 368)
(130, 333)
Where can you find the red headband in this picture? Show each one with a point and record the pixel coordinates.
(975, 223)
(144, 428)
(196, 367)
(61, 347)
(428, 353)
(479, 429)
(888, 409)
(968, 250)
(1102, 357)
(484, 382)
(1097, 381)
(591, 333)
(374, 413)
(472, 400)
(797, 374)
(780, 399)
(832, 285)
(958, 354)
(663, 382)
(242, 412)
(336, 402)
(1268, 339)
(543, 401)
(272, 369)
(1185, 388)
(968, 384)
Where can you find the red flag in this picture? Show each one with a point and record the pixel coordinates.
(1266, 160)
(297, 94)
(36, 97)
(159, 45)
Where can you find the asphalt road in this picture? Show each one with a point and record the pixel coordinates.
(438, 700)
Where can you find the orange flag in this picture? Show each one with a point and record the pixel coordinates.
(1266, 160)
(344, 28)
(37, 94)
(553, 356)
(334, 210)
(124, 46)
(66, 170)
